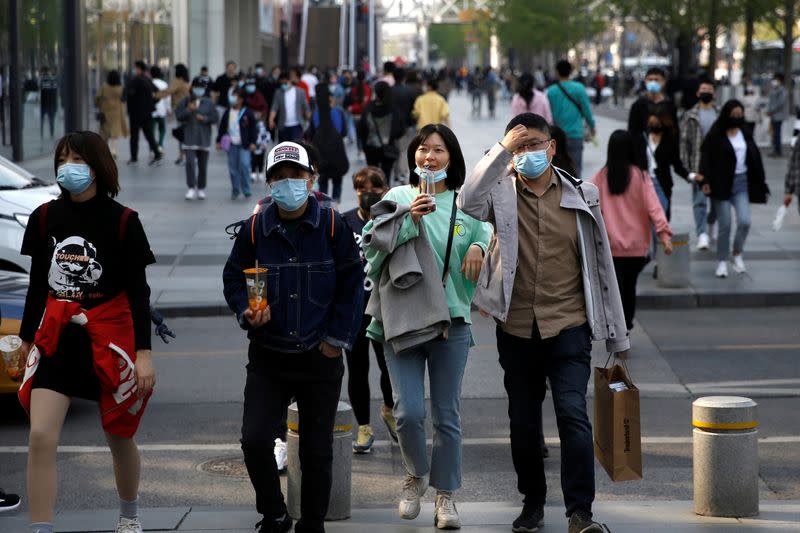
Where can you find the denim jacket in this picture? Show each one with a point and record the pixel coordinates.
(314, 282)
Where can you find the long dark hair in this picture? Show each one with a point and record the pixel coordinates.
(113, 78)
(324, 106)
(721, 124)
(456, 169)
(620, 158)
(182, 72)
(94, 150)
(525, 88)
(664, 116)
(561, 158)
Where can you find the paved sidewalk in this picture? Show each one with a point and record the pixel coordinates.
(191, 246)
(620, 516)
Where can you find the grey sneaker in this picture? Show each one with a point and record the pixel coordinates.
(413, 489)
(128, 525)
(446, 514)
(581, 522)
(529, 520)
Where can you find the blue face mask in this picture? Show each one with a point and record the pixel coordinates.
(285, 86)
(74, 177)
(250, 89)
(438, 175)
(653, 86)
(241, 83)
(259, 71)
(290, 194)
(531, 164)
(198, 91)
(232, 99)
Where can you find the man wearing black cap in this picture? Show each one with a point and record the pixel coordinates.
(314, 283)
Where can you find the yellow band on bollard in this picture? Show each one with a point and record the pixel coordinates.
(718, 425)
(336, 429)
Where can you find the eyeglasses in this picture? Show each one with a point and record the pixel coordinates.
(533, 146)
(278, 178)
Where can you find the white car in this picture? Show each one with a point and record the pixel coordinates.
(20, 193)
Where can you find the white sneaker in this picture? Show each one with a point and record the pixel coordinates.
(191, 194)
(280, 455)
(703, 241)
(446, 514)
(128, 525)
(201, 194)
(722, 270)
(713, 230)
(738, 264)
(253, 176)
(413, 489)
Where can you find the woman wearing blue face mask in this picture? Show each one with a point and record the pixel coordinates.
(458, 243)
(88, 259)
(237, 134)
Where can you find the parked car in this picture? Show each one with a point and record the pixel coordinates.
(20, 193)
(13, 289)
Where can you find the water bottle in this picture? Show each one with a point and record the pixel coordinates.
(428, 186)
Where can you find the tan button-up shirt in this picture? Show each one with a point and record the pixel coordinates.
(548, 287)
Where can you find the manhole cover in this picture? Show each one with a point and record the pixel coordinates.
(224, 466)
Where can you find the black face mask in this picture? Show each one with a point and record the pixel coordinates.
(655, 129)
(706, 98)
(735, 122)
(368, 199)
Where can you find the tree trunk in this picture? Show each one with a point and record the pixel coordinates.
(788, 41)
(713, 24)
(749, 23)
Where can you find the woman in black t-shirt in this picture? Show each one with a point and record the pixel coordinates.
(88, 249)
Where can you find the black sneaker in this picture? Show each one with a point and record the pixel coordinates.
(156, 160)
(581, 522)
(275, 525)
(9, 502)
(530, 519)
(131, 162)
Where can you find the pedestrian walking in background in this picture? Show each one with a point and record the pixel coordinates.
(629, 205)
(403, 98)
(163, 107)
(380, 126)
(111, 111)
(733, 176)
(314, 282)
(752, 105)
(224, 85)
(138, 95)
(490, 86)
(561, 158)
(105, 285)
(389, 69)
(208, 83)
(254, 100)
(196, 114)
(360, 97)
(777, 111)
(431, 327)
(695, 125)
(237, 135)
(658, 152)
(792, 181)
(431, 108)
(178, 89)
(655, 82)
(370, 185)
(296, 78)
(263, 142)
(288, 111)
(327, 132)
(550, 233)
(570, 107)
(475, 84)
(530, 100)
(48, 99)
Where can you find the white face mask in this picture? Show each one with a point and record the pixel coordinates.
(775, 83)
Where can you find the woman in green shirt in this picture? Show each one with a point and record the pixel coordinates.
(436, 148)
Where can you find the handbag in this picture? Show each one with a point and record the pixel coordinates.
(178, 133)
(389, 151)
(587, 131)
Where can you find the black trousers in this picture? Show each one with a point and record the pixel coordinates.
(315, 381)
(374, 157)
(146, 127)
(628, 270)
(358, 374)
(198, 158)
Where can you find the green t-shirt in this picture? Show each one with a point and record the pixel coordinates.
(467, 231)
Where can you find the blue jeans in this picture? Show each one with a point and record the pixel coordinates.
(291, 133)
(776, 136)
(740, 201)
(700, 209)
(566, 360)
(446, 361)
(239, 168)
(575, 151)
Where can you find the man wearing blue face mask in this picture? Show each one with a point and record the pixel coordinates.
(289, 110)
(655, 83)
(314, 289)
(553, 290)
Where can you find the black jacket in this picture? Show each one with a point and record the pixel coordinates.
(718, 167)
(222, 85)
(403, 97)
(637, 119)
(138, 96)
(667, 156)
(248, 129)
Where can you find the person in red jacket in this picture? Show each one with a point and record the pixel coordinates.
(86, 324)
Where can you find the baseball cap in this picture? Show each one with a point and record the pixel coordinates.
(290, 153)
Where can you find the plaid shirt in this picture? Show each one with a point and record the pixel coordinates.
(792, 184)
(691, 139)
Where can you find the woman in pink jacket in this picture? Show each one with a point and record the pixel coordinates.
(629, 205)
(529, 100)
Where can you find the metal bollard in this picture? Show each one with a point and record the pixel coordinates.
(673, 270)
(339, 503)
(725, 456)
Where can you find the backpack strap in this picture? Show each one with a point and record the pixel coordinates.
(43, 220)
(253, 229)
(123, 223)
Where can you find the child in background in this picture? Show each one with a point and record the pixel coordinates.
(263, 142)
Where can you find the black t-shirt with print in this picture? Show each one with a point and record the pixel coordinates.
(81, 258)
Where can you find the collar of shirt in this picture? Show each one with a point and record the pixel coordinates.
(271, 220)
(554, 180)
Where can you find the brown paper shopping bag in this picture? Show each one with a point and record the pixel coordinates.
(617, 432)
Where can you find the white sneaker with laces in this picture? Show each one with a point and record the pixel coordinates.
(738, 264)
(128, 525)
(722, 270)
(280, 455)
(201, 194)
(413, 489)
(703, 241)
(191, 194)
(446, 514)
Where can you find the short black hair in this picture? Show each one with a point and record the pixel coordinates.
(95, 152)
(399, 74)
(140, 65)
(155, 72)
(371, 174)
(204, 68)
(113, 78)
(456, 169)
(283, 75)
(529, 120)
(564, 68)
(230, 62)
(389, 67)
(658, 71)
(779, 76)
(433, 85)
(706, 81)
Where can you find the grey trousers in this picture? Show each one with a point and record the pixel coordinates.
(199, 157)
